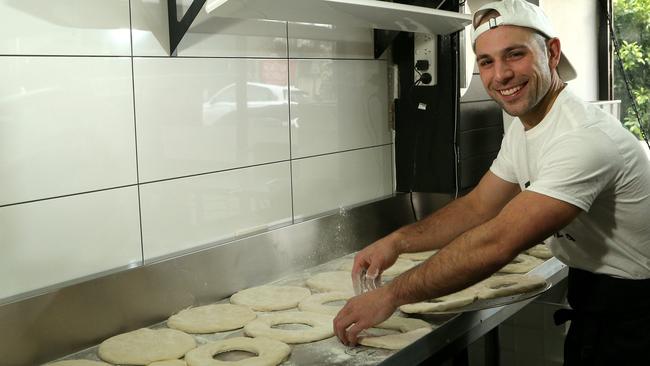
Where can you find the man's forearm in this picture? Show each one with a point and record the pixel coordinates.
(439, 228)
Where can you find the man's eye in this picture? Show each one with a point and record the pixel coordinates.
(484, 62)
(515, 54)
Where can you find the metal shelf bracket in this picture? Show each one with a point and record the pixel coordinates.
(178, 28)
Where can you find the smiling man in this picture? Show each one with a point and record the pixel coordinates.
(566, 171)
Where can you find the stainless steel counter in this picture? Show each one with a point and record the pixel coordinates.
(77, 317)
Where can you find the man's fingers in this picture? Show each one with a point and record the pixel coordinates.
(352, 333)
(341, 322)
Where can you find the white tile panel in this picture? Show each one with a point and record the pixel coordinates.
(181, 214)
(66, 126)
(68, 27)
(338, 105)
(51, 241)
(324, 183)
(204, 115)
(330, 41)
(208, 36)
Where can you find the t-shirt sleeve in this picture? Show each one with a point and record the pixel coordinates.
(503, 166)
(576, 169)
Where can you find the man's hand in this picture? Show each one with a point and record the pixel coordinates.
(376, 257)
(363, 312)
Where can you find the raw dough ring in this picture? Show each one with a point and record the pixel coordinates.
(270, 298)
(268, 351)
(331, 281)
(523, 263)
(316, 302)
(211, 318)
(419, 256)
(506, 285)
(540, 251)
(443, 303)
(321, 323)
(78, 363)
(144, 346)
(411, 330)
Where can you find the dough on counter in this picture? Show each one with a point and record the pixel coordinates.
(523, 263)
(316, 303)
(321, 327)
(419, 256)
(169, 363)
(78, 363)
(540, 251)
(144, 346)
(211, 318)
(394, 341)
(443, 303)
(268, 351)
(270, 298)
(331, 281)
(400, 266)
(506, 285)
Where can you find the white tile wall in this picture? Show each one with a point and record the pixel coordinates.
(191, 212)
(51, 241)
(68, 27)
(66, 126)
(329, 182)
(338, 105)
(215, 133)
(203, 115)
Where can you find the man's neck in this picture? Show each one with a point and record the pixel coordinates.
(533, 117)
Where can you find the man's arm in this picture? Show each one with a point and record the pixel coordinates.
(435, 231)
(527, 219)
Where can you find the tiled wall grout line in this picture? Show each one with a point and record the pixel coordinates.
(293, 214)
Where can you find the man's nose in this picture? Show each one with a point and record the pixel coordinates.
(503, 72)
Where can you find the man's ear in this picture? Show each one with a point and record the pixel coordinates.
(554, 52)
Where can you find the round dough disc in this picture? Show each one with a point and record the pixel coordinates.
(78, 363)
(410, 331)
(169, 363)
(270, 298)
(506, 285)
(540, 251)
(316, 302)
(211, 318)
(269, 352)
(144, 346)
(321, 327)
(443, 303)
(400, 266)
(523, 263)
(419, 256)
(331, 281)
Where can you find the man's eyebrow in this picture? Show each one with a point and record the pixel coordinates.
(505, 50)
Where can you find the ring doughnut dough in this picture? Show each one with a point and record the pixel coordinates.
(78, 363)
(506, 285)
(316, 302)
(410, 331)
(270, 298)
(331, 281)
(540, 251)
(268, 351)
(523, 263)
(419, 256)
(169, 363)
(321, 327)
(443, 303)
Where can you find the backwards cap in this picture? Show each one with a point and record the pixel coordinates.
(522, 14)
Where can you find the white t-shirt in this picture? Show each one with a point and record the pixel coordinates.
(582, 155)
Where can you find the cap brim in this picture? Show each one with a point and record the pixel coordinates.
(566, 71)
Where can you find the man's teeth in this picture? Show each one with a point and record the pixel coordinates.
(511, 91)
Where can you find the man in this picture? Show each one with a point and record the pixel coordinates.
(565, 170)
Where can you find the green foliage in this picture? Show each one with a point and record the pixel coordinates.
(632, 19)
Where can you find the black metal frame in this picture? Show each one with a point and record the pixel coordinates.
(178, 28)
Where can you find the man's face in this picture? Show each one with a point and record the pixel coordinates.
(514, 68)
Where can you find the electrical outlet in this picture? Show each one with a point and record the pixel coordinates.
(425, 49)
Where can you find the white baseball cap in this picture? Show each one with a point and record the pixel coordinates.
(523, 14)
